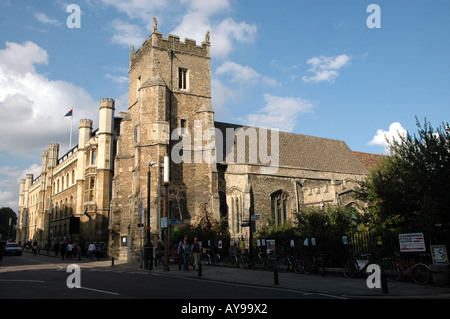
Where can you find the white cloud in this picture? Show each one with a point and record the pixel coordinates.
(10, 179)
(194, 17)
(20, 58)
(326, 68)
(32, 106)
(43, 18)
(127, 34)
(243, 74)
(279, 112)
(383, 138)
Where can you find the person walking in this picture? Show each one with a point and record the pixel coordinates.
(195, 248)
(159, 252)
(186, 253)
(63, 249)
(180, 251)
(91, 251)
(69, 250)
(56, 248)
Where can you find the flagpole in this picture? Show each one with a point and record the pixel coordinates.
(71, 122)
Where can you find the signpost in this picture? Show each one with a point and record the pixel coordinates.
(412, 242)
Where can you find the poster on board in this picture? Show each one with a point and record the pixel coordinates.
(412, 242)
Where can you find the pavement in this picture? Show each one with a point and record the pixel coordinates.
(332, 283)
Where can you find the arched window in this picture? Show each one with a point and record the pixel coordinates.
(279, 207)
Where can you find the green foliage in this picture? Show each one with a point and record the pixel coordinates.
(5, 214)
(311, 222)
(205, 230)
(409, 190)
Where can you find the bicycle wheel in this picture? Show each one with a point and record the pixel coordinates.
(309, 267)
(217, 259)
(270, 264)
(321, 267)
(243, 261)
(282, 264)
(395, 273)
(299, 266)
(421, 274)
(350, 269)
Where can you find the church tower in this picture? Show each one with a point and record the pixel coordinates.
(169, 111)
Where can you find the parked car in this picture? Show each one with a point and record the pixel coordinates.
(13, 249)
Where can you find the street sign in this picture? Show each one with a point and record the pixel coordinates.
(412, 242)
(163, 222)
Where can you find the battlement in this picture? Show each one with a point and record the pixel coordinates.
(171, 43)
(107, 102)
(86, 123)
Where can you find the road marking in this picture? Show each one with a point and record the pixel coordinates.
(20, 280)
(102, 291)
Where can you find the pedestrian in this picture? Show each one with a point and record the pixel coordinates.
(91, 251)
(180, 251)
(56, 248)
(35, 247)
(69, 249)
(186, 253)
(2, 248)
(195, 248)
(63, 249)
(159, 252)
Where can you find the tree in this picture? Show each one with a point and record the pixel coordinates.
(6, 228)
(410, 190)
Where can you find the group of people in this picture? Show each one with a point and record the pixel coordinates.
(185, 250)
(69, 249)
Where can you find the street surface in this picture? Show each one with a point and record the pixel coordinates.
(35, 276)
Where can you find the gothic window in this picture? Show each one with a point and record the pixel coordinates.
(279, 206)
(182, 79)
(90, 189)
(236, 210)
(94, 157)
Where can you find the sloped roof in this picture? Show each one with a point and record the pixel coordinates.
(369, 160)
(303, 151)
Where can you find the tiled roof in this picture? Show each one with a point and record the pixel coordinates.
(305, 152)
(369, 160)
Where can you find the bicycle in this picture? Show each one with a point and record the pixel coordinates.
(419, 272)
(315, 263)
(262, 261)
(289, 261)
(356, 266)
(241, 260)
(211, 257)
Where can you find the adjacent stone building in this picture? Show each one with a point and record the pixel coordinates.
(69, 200)
(226, 170)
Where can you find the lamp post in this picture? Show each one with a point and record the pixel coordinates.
(148, 247)
(166, 206)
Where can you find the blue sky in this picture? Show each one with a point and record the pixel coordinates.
(310, 67)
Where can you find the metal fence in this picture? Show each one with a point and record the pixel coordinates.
(337, 250)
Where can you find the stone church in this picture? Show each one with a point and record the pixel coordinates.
(222, 169)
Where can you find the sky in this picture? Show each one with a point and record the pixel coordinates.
(352, 70)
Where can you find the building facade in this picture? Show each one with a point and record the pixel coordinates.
(220, 169)
(69, 200)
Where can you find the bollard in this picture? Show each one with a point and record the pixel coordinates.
(199, 270)
(275, 276)
(112, 261)
(384, 286)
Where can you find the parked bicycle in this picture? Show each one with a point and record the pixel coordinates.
(356, 265)
(419, 272)
(210, 257)
(262, 261)
(315, 263)
(241, 259)
(290, 261)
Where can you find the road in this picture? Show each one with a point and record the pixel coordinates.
(42, 277)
